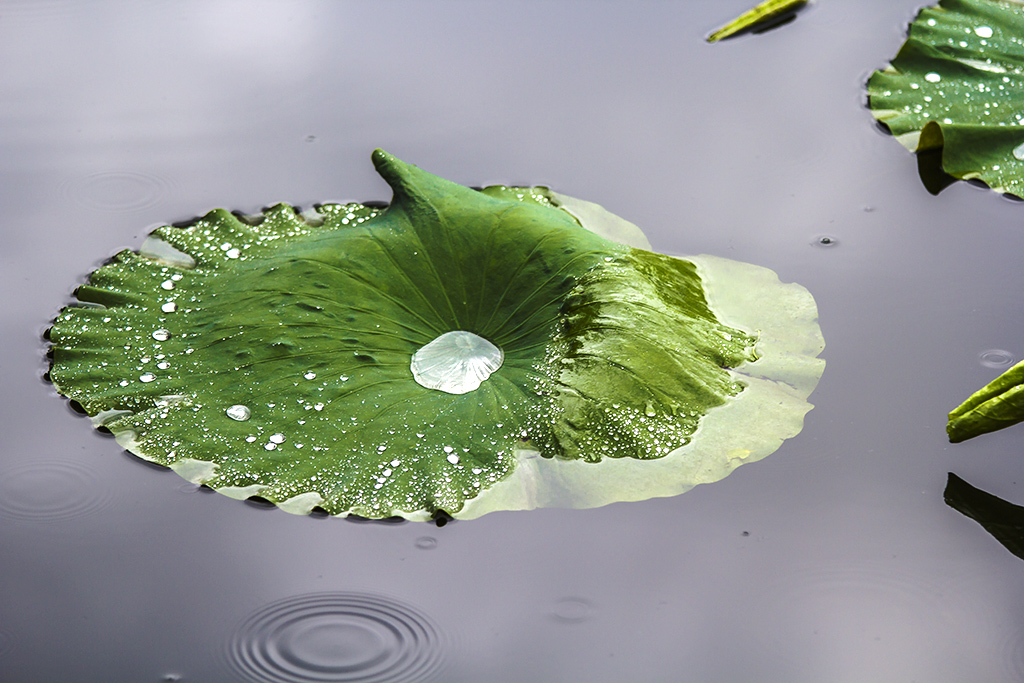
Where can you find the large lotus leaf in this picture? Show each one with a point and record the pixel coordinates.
(957, 83)
(997, 405)
(1002, 519)
(442, 351)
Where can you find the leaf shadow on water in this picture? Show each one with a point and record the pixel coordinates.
(1002, 519)
(929, 167)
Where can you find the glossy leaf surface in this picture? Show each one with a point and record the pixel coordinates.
(274, 356)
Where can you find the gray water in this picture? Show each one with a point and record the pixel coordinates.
(834, 560)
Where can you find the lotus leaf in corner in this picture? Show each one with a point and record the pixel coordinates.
(957, 84)
(457, 352)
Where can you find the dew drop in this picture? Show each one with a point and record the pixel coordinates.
(238, 412)
(232, 253)
(456, 362)
(932, 77)
(310, 375)
(277, 438)
(169, 307)
(148, 377)
(983, 31)
(167, 284)
(1018, 152)
(161, 335)
(453, 459)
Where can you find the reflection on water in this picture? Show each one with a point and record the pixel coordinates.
(50, 490)
(337, 637)
(1005, 521)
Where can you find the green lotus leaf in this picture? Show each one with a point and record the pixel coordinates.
(459, 352)
(997, 405)
(1002, 519)
(957, 83)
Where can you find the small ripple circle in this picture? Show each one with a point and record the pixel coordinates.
(824, 241)
(337, 637)
(996, 358)
(118, 190)
(49, 490)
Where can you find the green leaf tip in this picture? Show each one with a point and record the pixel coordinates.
(956, 85)
(764, 15)
(997, 405)
(458, 352)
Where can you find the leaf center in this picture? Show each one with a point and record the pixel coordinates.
(456, 362)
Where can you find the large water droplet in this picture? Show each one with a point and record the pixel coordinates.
(983, 31)
(161, 335)
(456, 362)
(932, 77)
(238, 412)
(1018, 151)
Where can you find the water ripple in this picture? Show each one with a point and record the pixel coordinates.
(48, 490)
(997, 359)
(337, 637)
(118, 190)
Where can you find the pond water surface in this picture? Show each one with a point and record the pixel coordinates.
(835, 559)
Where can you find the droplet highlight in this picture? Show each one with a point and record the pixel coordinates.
(238, 412)
(456, 362)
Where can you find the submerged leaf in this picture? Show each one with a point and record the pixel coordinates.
(460, 351)
(766, 13)
(1004, 520)
(997, 405)
(957, 83)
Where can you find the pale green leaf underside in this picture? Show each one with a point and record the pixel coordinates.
(271, 355)
(958, 82)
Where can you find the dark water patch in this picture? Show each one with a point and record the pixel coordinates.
(50, 490)
(323, 637)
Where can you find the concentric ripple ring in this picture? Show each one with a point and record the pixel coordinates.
(322, 637)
